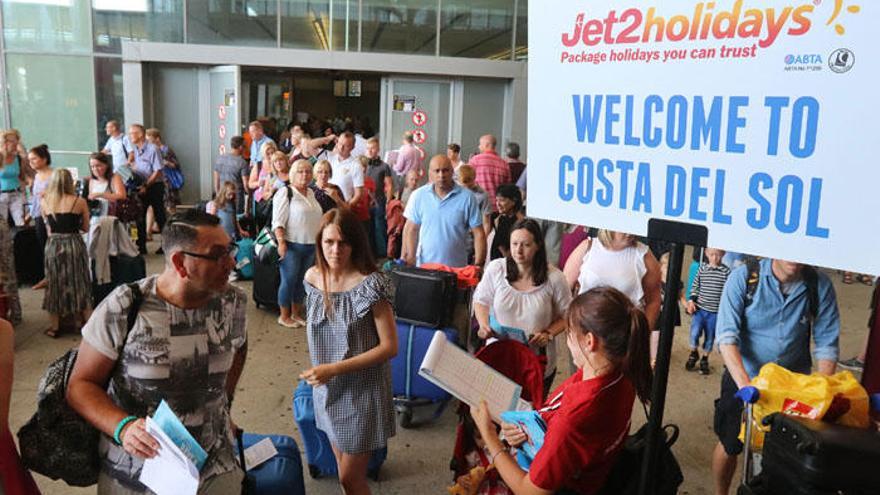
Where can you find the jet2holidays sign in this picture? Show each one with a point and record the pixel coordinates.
(758, 119)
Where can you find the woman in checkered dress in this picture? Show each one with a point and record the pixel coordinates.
(352, 337)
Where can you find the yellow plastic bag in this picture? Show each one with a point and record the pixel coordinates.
(838, 398)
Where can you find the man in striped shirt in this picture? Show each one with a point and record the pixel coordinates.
(703, 305)
(492, 170)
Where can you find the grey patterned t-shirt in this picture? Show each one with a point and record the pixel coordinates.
(179, 355)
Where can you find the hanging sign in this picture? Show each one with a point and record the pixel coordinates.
(753, 118)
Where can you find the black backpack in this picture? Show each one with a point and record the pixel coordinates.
(57, 442)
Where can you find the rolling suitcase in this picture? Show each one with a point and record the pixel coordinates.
(280, 475)
(806, 456)
(410, 389)
(28, 255)
(424, 297)
(123, 270)
(267, 278)
(316, 445)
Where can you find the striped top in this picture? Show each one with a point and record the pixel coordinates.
(708, 285)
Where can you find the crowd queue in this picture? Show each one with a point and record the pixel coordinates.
(334, 208)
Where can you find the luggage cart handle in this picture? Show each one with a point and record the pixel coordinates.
(749, 395)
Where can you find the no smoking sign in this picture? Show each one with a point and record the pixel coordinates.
(419, 118)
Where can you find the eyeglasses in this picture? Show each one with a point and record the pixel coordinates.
(216, 254)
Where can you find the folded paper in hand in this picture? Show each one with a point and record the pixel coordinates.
(165, 419)
(170, 472)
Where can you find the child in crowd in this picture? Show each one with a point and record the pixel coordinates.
(703, 305)
(223, 206)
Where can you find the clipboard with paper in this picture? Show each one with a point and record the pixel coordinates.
(469, 379)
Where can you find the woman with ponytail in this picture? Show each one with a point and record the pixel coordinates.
(588, 416)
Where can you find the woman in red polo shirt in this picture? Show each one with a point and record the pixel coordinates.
(588, 416)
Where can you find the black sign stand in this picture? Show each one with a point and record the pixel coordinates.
(678, 234)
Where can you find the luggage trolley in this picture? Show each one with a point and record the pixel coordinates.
(750, 485)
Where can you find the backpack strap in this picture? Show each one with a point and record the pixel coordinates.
(137, 299)
(753, 277)
(811, 280)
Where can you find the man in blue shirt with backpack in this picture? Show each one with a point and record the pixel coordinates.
(769, 311)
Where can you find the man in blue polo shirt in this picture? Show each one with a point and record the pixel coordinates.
(147, 165)
(772, 325)
(439, 217)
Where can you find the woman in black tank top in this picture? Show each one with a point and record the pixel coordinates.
(68, 291)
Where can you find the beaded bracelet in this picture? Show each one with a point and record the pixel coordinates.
(120, 426)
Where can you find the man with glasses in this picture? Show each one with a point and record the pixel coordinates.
(186, 346)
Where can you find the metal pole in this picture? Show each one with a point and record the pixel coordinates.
(7, 115)
(661, 368)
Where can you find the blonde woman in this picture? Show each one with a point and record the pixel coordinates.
(296, 218)
(617, 260)
(261, 171)
(329, 195)
(280, 174)
(68, 291)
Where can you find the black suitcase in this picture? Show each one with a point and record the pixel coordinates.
(424, 297)
(123, 270)
(805, 456)
(28, 255)
(267, 279)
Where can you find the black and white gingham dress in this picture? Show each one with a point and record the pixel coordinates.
(355, 410)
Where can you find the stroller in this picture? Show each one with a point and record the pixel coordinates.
(519, 363)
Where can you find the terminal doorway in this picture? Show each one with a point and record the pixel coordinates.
(200, 107)
(282, 96)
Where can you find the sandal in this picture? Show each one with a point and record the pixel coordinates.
(51, 332)
(847, 278)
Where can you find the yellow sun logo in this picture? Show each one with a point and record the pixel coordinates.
(838, 6)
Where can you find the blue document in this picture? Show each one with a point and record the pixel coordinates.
(534, 427)
(503, 332)
(171, 425)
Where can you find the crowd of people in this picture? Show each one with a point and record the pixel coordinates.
(327, 199)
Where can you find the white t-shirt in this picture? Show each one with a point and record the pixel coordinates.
(623, 270)
(300, 217)
(347, 174)
(532, 310)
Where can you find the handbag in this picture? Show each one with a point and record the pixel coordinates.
(130, 209)
(174, 177)
(627, 471)
(57, 442)
(266, 246)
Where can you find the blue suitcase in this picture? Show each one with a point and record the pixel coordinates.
(280, 475)
(410, 389)
(316, 445)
